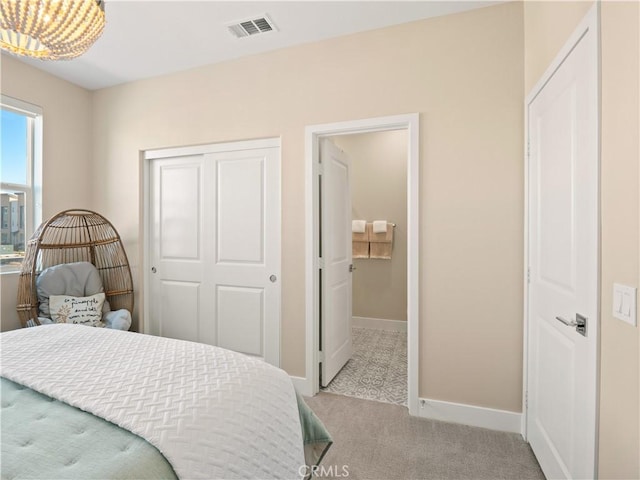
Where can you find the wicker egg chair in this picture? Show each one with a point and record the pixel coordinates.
(75, 236)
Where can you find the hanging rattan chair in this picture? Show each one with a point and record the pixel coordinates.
(75, 236)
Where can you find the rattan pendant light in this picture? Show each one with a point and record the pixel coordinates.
(75, 236)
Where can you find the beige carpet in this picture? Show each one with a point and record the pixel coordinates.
(374, 440)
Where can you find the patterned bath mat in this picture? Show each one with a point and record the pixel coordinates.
(378, 368)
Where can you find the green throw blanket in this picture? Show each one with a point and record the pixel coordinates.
(315, 436)
(44, 438)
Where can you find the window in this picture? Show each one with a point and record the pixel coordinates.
(4, 215)
(20, 178)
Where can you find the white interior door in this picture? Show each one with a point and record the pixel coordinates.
(215, 249)
(335, 318)
(563, 262)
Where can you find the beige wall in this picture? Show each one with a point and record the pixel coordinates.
(379, 192)
(464, 74)
(67, 173)
(620, 342)
(547, 27)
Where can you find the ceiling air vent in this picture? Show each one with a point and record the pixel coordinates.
(247, 28)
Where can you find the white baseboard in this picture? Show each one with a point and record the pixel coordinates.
(470, 415)
(302, 386)
(490, 418)
(379, 324)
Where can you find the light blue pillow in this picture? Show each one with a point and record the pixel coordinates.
(118, 320)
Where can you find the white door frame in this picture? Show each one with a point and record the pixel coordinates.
(591, 21)
(409, 122)
(146, 157)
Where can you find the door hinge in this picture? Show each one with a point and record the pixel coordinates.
(321, 356)
(320, 263)
(528, 148)
(528, 275)
(320, 168)
(526, 400)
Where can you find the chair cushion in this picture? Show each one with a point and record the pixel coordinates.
(80, 279)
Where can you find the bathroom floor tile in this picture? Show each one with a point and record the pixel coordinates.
(378, 368)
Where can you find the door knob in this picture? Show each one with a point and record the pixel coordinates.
(351, 268)
(580, 323)
(566, 322)
(153, 269)
(273, 278)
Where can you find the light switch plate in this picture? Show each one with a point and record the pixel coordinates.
(625, 303)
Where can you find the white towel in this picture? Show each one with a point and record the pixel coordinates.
(358, 226)
(380, 226)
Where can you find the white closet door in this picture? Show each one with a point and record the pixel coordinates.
(180, 250)
(215, 249)
(246, 249)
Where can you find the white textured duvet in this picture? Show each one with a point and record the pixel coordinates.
(211, 412)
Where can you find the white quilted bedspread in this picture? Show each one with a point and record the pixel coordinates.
(211, 412)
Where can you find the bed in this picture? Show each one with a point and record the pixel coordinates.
(83, 402)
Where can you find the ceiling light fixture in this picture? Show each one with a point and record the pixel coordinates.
(50, 29)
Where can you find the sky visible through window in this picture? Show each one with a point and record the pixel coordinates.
(13, 148)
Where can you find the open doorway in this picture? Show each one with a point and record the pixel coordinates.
(408, 124)
(376, 368)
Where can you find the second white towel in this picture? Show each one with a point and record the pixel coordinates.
(379, 226)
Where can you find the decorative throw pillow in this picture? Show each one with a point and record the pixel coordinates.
(81, 310)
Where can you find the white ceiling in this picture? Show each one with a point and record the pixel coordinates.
(146, 38)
